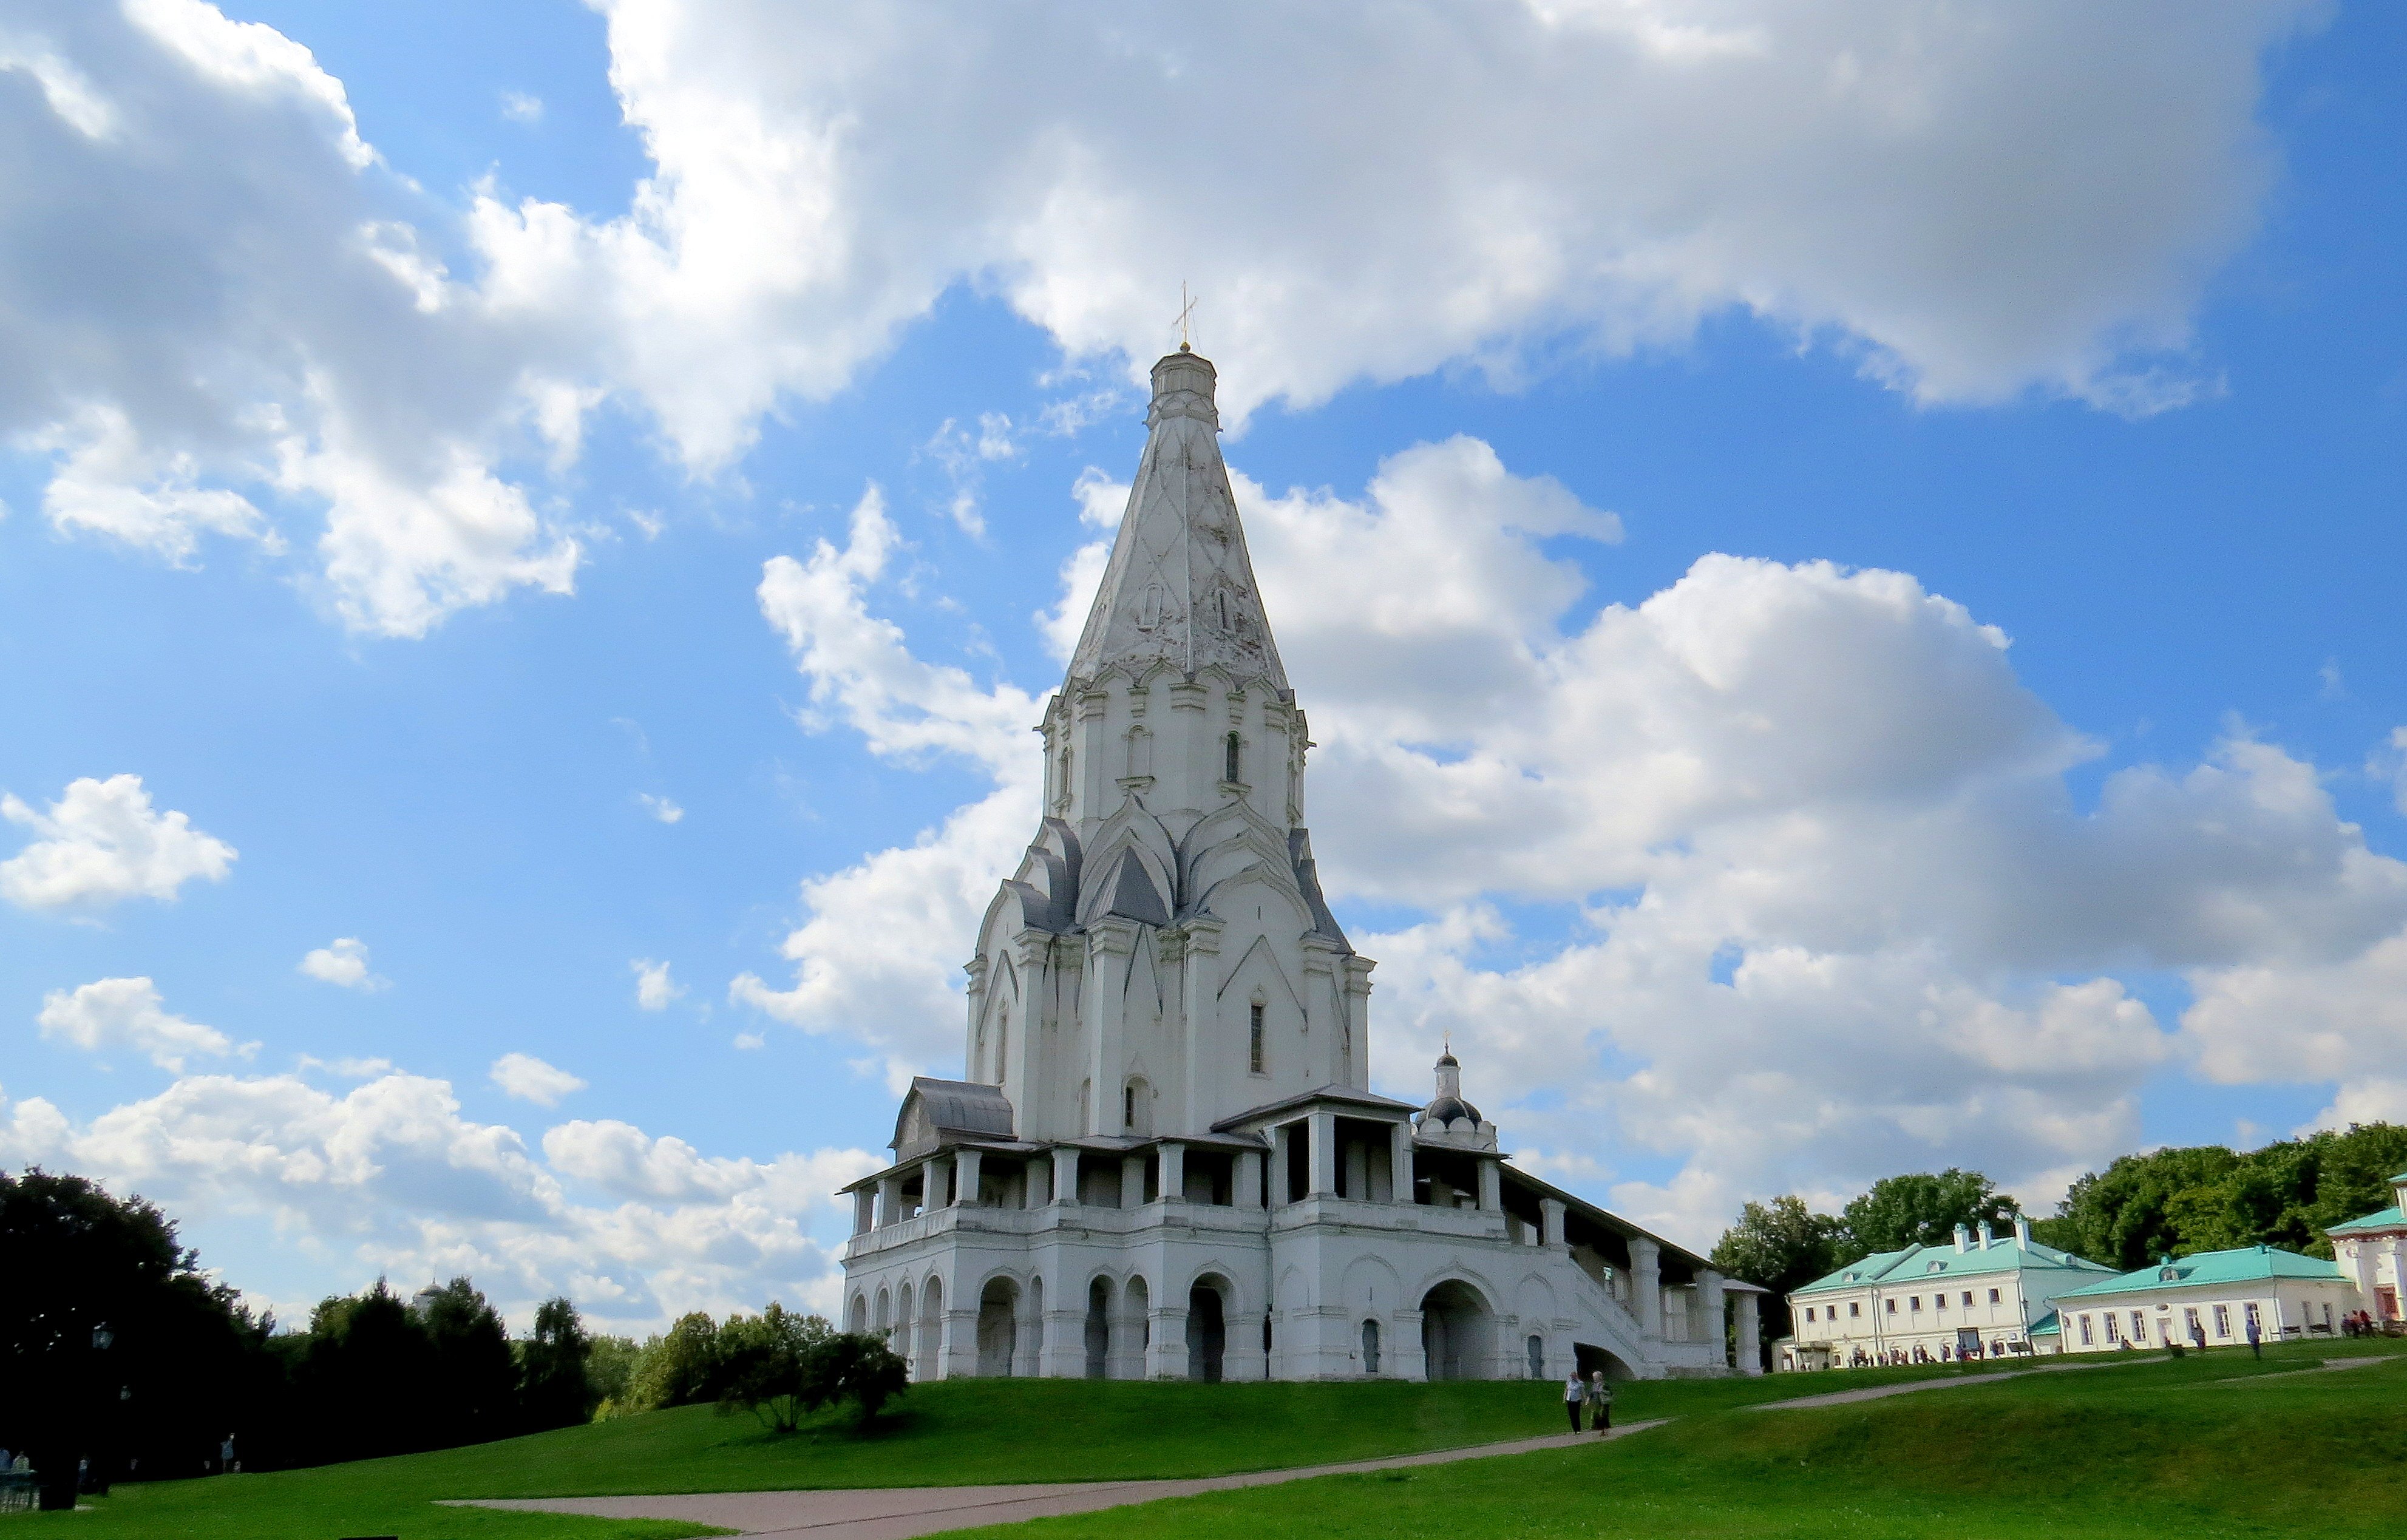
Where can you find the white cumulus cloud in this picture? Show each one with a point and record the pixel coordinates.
(661, 808)
(530, 1079)
(128, 1013)
(654, 989)
(343, 962)
(388, 1178)
(249, 328)
(101, 843)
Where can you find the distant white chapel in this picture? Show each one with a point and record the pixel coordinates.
(1164, 1159)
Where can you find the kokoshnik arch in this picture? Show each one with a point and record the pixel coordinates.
(1165, 1159)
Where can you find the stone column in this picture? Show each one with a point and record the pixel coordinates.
(1323, 1173)
(1165, 1346)
(1247, 1180)
(1646, 1282)
(890, 1198)
(1063, 1355)
(1028, 1335)
(1065, 1174)
(1124, 1346)
(1240, 1358)
(1713, 1327)
(1404, 1347)
(1399, 1162)
(935, 1182)
(1174, 1173)
(969, 1169)
(1550, 1219)
(1131, 1182)
(957, 1358)
(1491, 1186)
(865, 1209)
(1750, 1336)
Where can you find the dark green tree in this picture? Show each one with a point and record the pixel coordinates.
(476, 1376)
(1783, 1246)
(858, 1367)
(186, 1363)
(2145, 1206)
(1923, 1210)
(763, 1365)
(676, 1368)
(555, 1389)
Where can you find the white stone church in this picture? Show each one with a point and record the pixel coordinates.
(1165, 1159)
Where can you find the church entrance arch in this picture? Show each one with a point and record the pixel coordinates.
(1590, 1357)
(1099, 1328)
(998, 1326)
(1207, 1329)
(1458, 1331)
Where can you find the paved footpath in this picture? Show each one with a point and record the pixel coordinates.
(1845, 1398)
(898, 1513)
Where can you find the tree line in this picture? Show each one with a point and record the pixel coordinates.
(2166, 1202)
(117, 1349)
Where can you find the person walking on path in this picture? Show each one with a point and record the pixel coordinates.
(2254, 1333)
(1599, 1401)
(1573, 1394)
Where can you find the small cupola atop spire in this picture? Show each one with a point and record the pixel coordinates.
(1450, 1119)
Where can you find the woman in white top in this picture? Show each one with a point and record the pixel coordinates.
(1574, 1391)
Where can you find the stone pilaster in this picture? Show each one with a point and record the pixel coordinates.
(1646, 1282)
(1065, 1174)
(1322, 1173)
(1750, 1336)
(967, 1171)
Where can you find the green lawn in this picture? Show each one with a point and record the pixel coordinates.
(2148, 1448)
(2094, 1452)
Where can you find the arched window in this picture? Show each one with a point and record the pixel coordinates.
(1236, 758)
(1254, 1039)
(1136, 1106)
(1370, 1347)
(1061, 795)
(1537, 1347)
(1128, 1105)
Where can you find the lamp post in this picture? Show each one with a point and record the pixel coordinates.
(103, 1339)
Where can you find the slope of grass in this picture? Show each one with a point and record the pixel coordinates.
(2147, 1450)
(1717, 1465)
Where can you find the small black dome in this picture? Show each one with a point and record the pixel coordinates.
(1445, 1110)
(1446, 1061)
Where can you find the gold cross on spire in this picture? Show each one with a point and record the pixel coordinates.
(1185, 310)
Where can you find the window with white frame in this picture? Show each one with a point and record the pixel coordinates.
(2087, 1340)
(2112, 1334)
(2223, 1320)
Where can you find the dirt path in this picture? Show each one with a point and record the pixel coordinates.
(898, 1513)
(2310, 1369)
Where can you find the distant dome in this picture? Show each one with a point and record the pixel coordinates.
(1445, 1110)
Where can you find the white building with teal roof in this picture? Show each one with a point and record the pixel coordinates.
(2209, 1300)
(2372, 1251)
(1979, 1297)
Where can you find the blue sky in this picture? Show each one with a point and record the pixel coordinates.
(2179, 495)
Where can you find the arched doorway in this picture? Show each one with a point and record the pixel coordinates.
(1099, 1328)
(998, 1324)
(1535, 1352)
(1458, 1331)
(1371, 1347)
(1207, 1331)
(856, 1315)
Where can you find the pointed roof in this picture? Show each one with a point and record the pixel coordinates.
(1179, 588)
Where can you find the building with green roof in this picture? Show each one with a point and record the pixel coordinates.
(2209, 1299)
(1982, 1297)
(2372, 1251)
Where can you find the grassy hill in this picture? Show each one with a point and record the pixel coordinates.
(2100, 1452)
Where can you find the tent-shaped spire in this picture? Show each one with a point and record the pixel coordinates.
(1179, 588)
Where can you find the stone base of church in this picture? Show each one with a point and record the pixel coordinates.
(1326, 1288)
